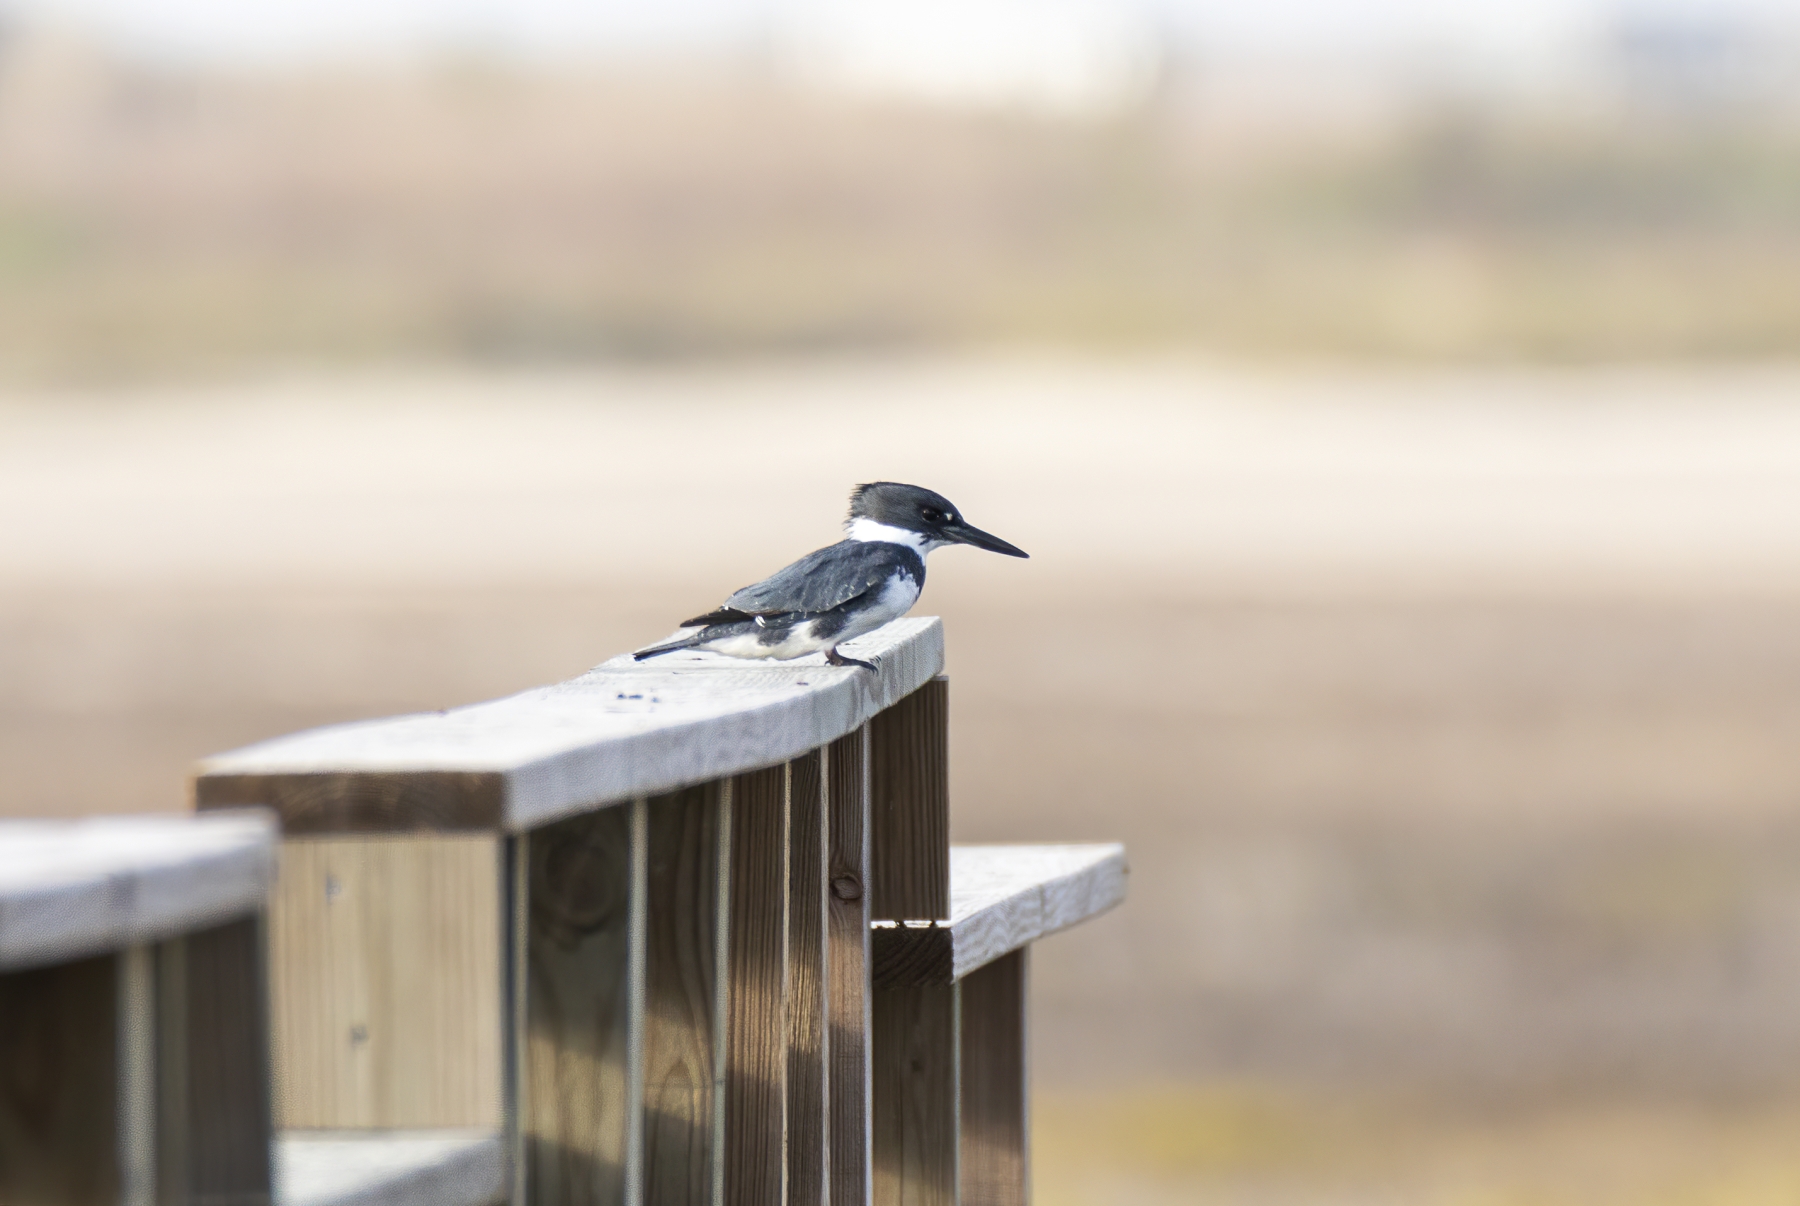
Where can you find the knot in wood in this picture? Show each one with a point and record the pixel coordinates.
(846, 887)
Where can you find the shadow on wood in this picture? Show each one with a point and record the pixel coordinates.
(58, 1109)
(681, 985)
(578, 1010)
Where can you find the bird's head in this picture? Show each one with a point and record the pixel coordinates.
(915, 516)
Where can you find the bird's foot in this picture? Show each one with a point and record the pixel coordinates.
(838, 659)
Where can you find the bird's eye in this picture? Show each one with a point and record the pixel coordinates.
(932, 514)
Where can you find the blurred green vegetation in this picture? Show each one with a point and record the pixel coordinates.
(155, 223)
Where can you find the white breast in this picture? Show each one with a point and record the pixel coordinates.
(897, 596)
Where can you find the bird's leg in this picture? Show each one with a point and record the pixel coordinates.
(838, 659)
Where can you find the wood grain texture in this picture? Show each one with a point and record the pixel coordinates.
(1002, 898)
(909, 813)
(387, 982)
(807, 1152)
(391, 1168)
(916, 1051)
(229, 1126)
(326, 802)
(623, 730)
(994, 1165)
(757, 971)
(681, 984)
(899, 956)
(578, 1011)
(58, 1124)
(847, 956)
(69, 889)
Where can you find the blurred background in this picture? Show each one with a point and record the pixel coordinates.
(1400, 401)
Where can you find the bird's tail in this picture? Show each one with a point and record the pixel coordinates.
(687, 642)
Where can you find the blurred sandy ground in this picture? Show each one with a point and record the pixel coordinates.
(1450, 717)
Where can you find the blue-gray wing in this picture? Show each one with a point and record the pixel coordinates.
(828, 578)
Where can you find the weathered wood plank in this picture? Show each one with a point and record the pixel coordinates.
(847, 954)
(174, 1177)
(389, 1168)
(623, 730)
(578, 1011)
(515, 851)
(909, 813)
(756, 1055)
(69, 889)
(807, 1150)
(681, 985)
(995, 1093)
(387, 982)
(58, 1102)
(136, 1055)
(1002, 897)
(228, 1126)
(915, 1095)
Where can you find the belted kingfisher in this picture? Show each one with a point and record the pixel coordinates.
(844, 590)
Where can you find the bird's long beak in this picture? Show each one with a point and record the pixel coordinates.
(962, 533)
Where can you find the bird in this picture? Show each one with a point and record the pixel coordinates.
(844, 590)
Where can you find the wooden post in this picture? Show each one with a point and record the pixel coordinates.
(910, 807)
(681, 987)
(914, 1031)
(387, 981)
(916, 1099)
(848, 1000)
(756, 1027)
(808, 1150)
(995, 1090)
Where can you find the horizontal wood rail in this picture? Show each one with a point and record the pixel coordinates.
(1002, 898)
(622, 731)
(74, 888)
(133, 1035)
(688, 931)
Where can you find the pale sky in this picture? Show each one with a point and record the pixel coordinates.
(1515, 32)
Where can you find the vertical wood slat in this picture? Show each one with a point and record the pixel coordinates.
(136, 1046)
(915, 1095)
(808, 1152)
(995, 1092)
(681, 986)
(756, 940)
(58, 1101)
(229, 1123)
(172, 1104)
(576, 1090)
(847, 954)
(910, 807)
(914, 1031)
(516, 985)
(386, 961)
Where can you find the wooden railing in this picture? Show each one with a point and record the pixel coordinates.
(687, 931)
(133, 1045)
